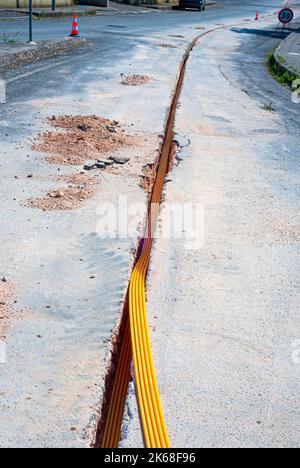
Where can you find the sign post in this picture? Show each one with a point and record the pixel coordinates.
(30, 21)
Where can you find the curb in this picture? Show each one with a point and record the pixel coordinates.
(53, 14)
(64, 14)
(284, 66)
(39, 51)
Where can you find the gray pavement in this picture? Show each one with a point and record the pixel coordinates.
(288, 53)
(224, 318)
(227, 310)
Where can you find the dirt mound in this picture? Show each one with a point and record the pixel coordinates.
(80, 188)
(283, 229)
(167, 46)
(135, 80)
(6, 306)
(84, 138)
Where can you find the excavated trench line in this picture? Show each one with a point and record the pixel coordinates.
(136, 342)
(136, 339)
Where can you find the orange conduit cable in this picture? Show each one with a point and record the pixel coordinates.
(136, 343)
(112, 431)
(150, 408)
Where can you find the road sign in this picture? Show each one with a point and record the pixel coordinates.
(286, 15)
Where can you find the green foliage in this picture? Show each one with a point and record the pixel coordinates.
(284, 77)
(268, 107)
(281, 59)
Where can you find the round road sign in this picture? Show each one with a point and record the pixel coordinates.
(286, 15)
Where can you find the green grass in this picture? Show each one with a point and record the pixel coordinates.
(281, 59)
(268, 107)
(282, 76)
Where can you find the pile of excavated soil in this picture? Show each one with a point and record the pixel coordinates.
(283, 229)
(79, 179)
(167, 46)
(135, 80)
(79, 189)
(6, 306)
(84, 138)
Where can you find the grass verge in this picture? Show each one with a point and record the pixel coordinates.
(279, 73)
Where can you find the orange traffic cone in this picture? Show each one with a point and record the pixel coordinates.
(257, 16)
(75, 31)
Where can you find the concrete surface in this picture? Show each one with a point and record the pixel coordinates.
(51, 387)
(287, 55)
(224, 319)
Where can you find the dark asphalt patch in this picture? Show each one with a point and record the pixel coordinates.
(116, 26)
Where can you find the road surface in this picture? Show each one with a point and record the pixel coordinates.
(224, 318)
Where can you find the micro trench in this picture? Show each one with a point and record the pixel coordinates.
(125, 344)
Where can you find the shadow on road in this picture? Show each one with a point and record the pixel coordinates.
(277, 33)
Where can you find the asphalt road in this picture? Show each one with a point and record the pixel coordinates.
(51, 387)
(147, 22)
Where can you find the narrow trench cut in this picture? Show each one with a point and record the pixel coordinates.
(119, 373)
